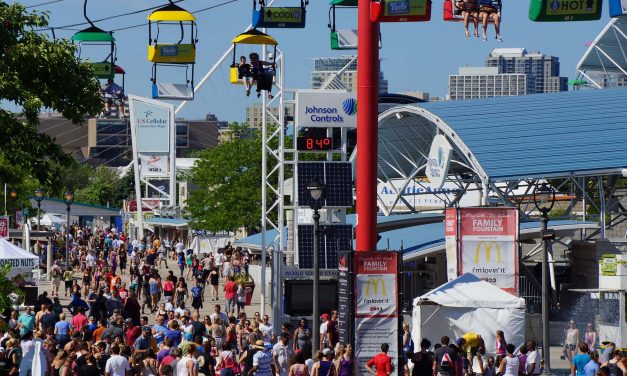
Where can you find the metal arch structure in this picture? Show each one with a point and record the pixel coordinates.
(604, 64)
(585, 179)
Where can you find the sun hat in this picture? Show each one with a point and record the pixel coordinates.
(259, 345)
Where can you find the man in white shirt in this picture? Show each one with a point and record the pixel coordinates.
(91, 260)
(281, 353)
(117, 365)
(217, 312)
(533, 359)
(266, 328)
(219, 260)
(324, 338)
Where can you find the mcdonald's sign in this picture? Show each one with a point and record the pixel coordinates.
(374, 283)
(487, 247)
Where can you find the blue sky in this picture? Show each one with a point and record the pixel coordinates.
(416, 56)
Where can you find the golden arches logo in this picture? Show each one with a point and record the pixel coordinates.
(487, 246)
(374, 283)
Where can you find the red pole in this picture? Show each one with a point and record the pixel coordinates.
(367, 128)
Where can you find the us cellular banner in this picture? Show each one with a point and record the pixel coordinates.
(376, 306)
(488, 239)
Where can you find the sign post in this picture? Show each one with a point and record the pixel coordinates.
(345, 298)
(376, 306)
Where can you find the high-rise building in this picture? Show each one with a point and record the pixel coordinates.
(485, 82)
(543, 71)
(325, 68)
(254, 115)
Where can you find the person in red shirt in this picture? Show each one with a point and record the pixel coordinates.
(79, 320)
(132, 332)
(381, 362)
(230, 293)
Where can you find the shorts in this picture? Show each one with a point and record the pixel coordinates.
(241, 305)
(68, 284)
(168, 293)
(570, 346)
(197, 303)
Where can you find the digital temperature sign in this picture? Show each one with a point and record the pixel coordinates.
(314, 143)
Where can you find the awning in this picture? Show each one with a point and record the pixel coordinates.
(166, 222)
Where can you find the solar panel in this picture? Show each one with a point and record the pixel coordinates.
(332, 240)
(337, 178)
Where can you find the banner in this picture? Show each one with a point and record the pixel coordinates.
(154, 165)
(488, 243)
(326, 108)
(345, 297)
(4, 227)
(376, 306)
(151, 122)
(422, 194)
(450, 236)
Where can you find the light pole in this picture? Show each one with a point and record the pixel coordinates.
(39, 195)
(316, 190)
(68, 198)
(544, 199)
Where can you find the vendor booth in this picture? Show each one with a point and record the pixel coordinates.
(22, 262)
(469, 304)
(210, 244)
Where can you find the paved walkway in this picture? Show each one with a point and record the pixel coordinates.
(208, 305)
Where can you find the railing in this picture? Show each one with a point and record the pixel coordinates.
(533, 297)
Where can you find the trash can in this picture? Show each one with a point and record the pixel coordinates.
(249, 295)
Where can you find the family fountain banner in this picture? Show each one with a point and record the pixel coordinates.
(376, 306)
(484, 242)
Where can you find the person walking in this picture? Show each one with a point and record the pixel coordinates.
(570, 341)
(262, 361)
(422, 360)
(445, 358)
(381, 362)
(580, 360)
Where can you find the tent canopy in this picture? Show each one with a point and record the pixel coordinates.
(48, 219)
(10, 251)
(470, 291)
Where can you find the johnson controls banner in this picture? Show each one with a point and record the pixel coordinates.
(483, 241)
(376, 306)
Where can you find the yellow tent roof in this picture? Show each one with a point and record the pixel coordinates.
(254, 36)
(171, 12)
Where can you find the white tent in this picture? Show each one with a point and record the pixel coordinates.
(21, 261)
(48, 220)
(210, 244)
(469, 304)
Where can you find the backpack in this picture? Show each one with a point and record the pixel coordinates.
(230, 363)
(446, 361)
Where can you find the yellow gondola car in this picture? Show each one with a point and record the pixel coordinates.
(181, 53)
(253, 37)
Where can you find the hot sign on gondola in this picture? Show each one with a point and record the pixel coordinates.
(565, 10)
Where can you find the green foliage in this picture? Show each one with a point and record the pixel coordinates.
(37, 73)
(103, 186)
(7, 287)
(229, 181)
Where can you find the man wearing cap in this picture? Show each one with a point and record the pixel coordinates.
(132, 332)
(114, 329)
(472, 344)
(324, 338)
(262, 360)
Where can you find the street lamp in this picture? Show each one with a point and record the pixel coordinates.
(68, 198)
(39, 195)
(13, 195)
(544, 199)
(316, 190)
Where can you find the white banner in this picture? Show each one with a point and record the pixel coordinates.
(370, 333)
(421, 194)
(326, 108)
(439, 160)
(154, 165)
(151, 121)
(374, 294)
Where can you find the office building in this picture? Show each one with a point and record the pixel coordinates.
(107, 141)
(254, 115)
(542, 71)
(326, 68)
(485, 82)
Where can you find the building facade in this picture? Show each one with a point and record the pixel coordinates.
(542, 71)
(485, 82)
(107, 141)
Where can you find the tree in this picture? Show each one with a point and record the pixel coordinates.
(229, 181)
(37, 73)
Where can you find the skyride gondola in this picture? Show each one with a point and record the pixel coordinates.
(279, 17)
(400, 10)
(343, 39)
(173, 53)
(98, 47)
(263, 77)
(565, 10)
